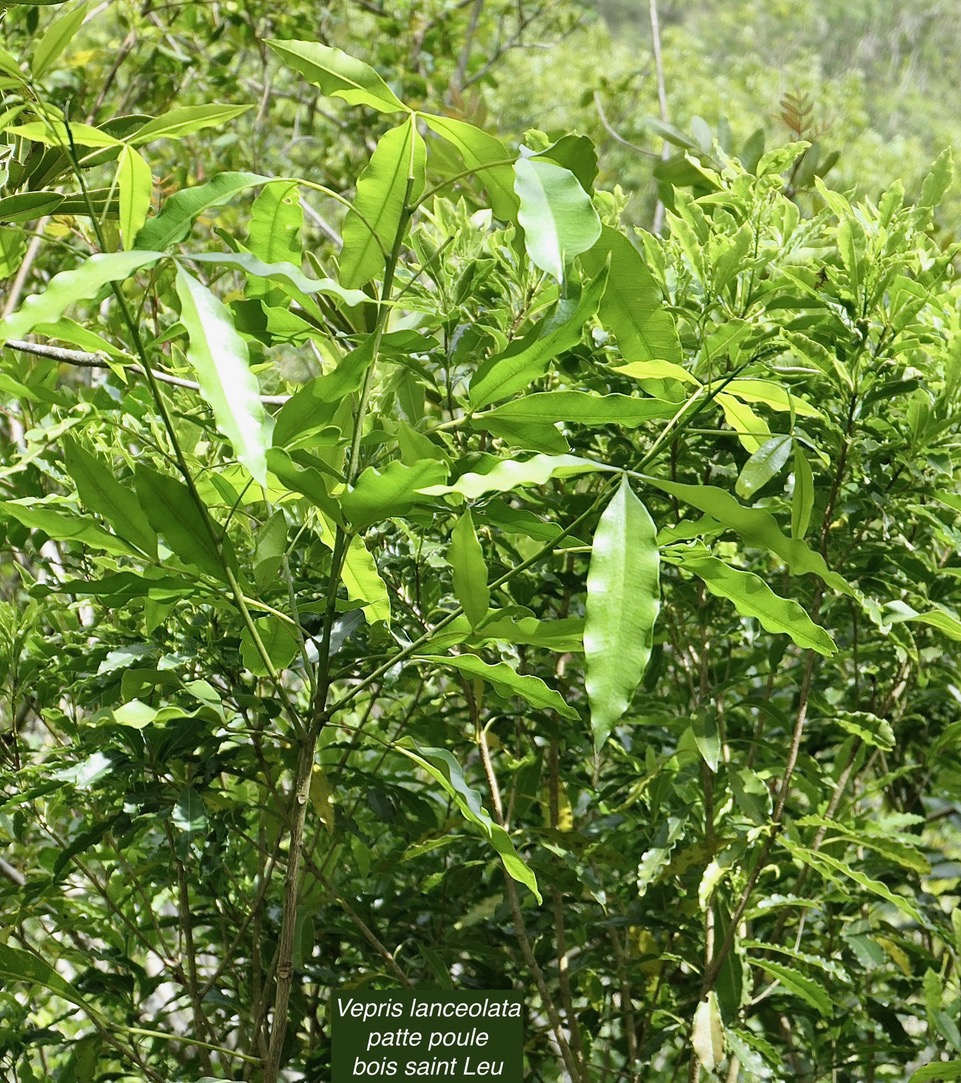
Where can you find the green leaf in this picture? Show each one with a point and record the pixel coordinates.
(185, 121)
(466, 559)
(478, 150)
(802, 499)
(136, 188)
(632, 306)
(752, 431)
(526, 359)
(313, 406)
(54, 133)
(509, 474)
(394, 177)
(179, 211)
(658, 370)
(102, 493)
(770, 394)
(766, 463)
(810, 991)
(752, 597)
(578, 408)
(873, 731)
(558, 217)
(707, 1032)
(26, 206)
(22, 966)
(838, 871)
(364, 582)
(446, 771)
(507, 681)
(172, 512)
(273, 235)
(55, 39)
(938, 1072)
(63, 524)
(379, 494)
(938, 180)
(338, 75)
(279, 639)
(283, 272)
(219, 356)
(754, 526)
(78, 284)
(622, 606)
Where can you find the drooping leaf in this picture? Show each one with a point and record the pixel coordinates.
(526, 359)
(102, 493)
(24, 966)
(185, 121)
(78, 284)
(802, 499)
(623, 600)
(466, 559)
(632, 306)
(810, 991)
(707, 1032)
(558, 217)
(752, 430)
(184, 206)
(510, 473)
(756, 527)
(173, 513)
(478, 150)
(60, 522)
(338, 75)
(135, 184)
(220, 358)
(752, 597)
(393, 178)
(507, 681)
(445, 770)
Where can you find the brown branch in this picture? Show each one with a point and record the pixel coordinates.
(82, 359)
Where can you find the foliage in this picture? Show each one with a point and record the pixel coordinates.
(492, 595)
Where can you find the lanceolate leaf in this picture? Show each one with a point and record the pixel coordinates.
(22, 966)
(754, 526)
(180, 122)
(276, 220)
(558, 217)
(766, 463)
(622, 606)
(527, 359)
(282, 272)
(444, 769)
(179, 211)
(509, 474)
(810, 991)
(370, 228)
(507, 681)
(136, 188)
(632, 306)
(579, 408)
(172, 512)
(102, 493)
(802, 500)
(754, 598)
(339, 75)
(219, 356)
(466, 559)
(55, 39)
(63, 524)
(479, 149)
(78, 284)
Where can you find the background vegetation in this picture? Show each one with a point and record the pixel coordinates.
(491, 523)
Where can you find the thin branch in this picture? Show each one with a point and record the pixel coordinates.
(658, 222)
(611, 131)
(82, 359)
